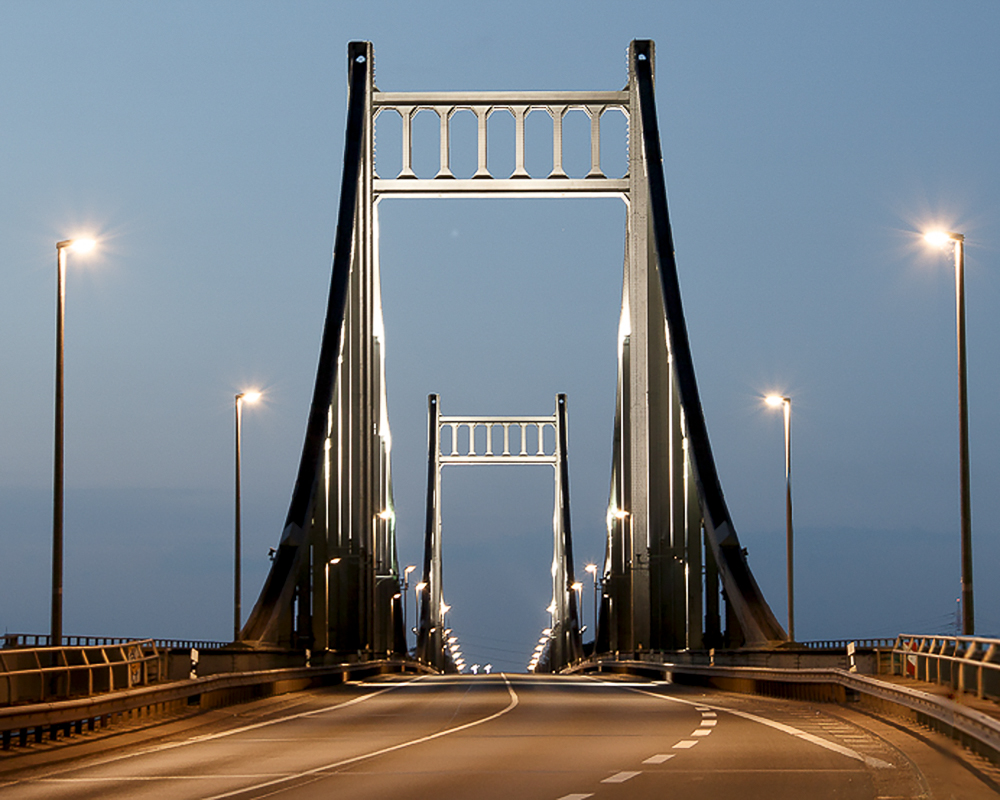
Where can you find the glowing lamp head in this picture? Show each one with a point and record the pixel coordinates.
(252, 396)
(774, 400)
(937, 238)
(591, 568)
(577, 586)
(84, 245)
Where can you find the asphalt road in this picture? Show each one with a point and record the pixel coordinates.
(516, 737)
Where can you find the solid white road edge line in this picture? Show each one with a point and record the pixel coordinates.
(778, 726)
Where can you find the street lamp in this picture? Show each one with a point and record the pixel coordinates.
(77, 246)
(577, 586)
(406, 588)
(785, 403)
(417, 589)
(592, 569)
(241, 398)
(942, 239)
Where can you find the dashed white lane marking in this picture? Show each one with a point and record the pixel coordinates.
(708, 714)
(577, 796)
(621, 777)
(315, 772)
(701, 732)
(709, 723)
(659, 758)
(778, 726)
(686, 744)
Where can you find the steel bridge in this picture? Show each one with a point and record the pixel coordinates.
(674, 575)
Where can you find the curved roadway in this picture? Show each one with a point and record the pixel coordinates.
(514, 737)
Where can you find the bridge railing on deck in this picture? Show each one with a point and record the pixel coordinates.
(42, 674)
(964, 663)
(11, 640)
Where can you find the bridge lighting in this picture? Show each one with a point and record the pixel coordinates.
(80, 245)
(248, 396)
(452, 639)
(546, 631)
(592, 569)
(551, 607)
(941, 239)
(385, 515)
(84, 245)
(620, 513)
(785, 403)
(335, 560)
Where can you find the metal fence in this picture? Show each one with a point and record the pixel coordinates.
(841, 644)
(39, 674)
(964, 663)
(11, 640)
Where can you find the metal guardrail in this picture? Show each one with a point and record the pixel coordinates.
(12, 640)
(20, 725)
(39, 674)
(964, 663)
(841, 644)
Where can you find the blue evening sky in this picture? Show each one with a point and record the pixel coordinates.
(805, 145)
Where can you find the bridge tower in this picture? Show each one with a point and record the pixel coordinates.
(334, 582)
(671, 545)
(493, 441)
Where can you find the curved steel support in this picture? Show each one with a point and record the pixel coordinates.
(742, 592)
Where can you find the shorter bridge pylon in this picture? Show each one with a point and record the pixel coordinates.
(456, 440)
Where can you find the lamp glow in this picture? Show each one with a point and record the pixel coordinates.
(83, 245)
(937, 238)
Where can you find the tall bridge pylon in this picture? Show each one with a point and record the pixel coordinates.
(671, 544)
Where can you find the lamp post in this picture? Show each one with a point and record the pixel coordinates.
(592, 569)
(577, 587)
(78, 246)
(941, 239)
(417, 589)
(242, 397)
(785, 403)
(406, 589)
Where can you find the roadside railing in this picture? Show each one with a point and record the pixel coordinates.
(43, 674)
(11, 640)
(964, 663)
(840, 644)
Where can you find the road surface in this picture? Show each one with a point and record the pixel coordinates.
(515, 737)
